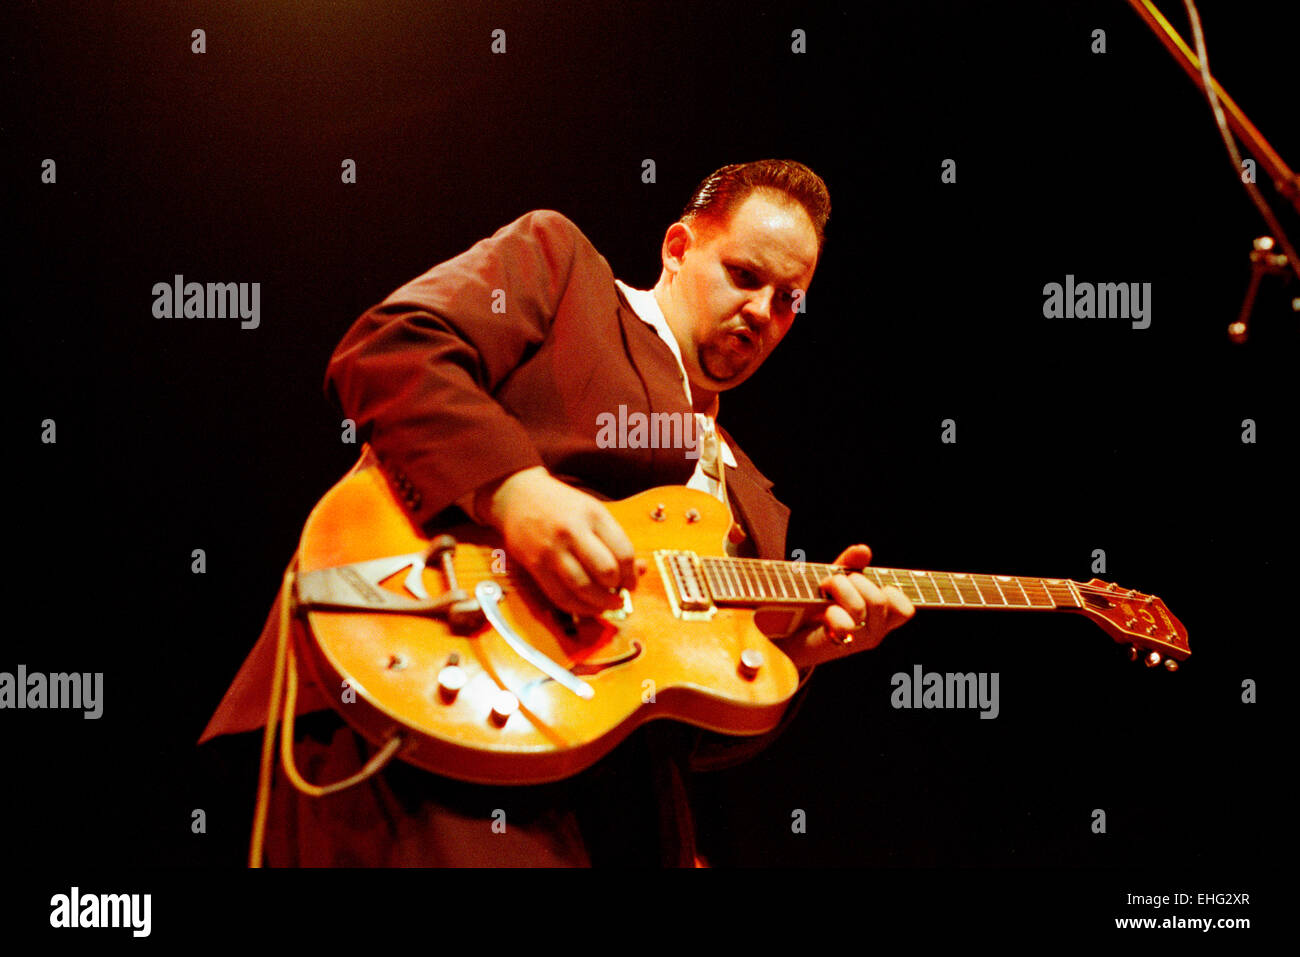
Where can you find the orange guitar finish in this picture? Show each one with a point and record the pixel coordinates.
(649, 665)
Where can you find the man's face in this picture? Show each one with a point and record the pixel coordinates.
(732, 292)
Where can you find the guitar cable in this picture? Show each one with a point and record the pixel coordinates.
(284, 685)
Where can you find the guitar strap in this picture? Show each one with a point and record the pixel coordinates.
(714, 470)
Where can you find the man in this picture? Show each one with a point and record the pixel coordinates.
(479, 385)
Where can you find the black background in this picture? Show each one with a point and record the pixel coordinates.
(1073, 435)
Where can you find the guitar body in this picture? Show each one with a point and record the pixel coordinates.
(646, 663)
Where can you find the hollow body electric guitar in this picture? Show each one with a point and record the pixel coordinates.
(448, 644)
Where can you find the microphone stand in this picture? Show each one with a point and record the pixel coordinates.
(1263, 259)
(1284, 179)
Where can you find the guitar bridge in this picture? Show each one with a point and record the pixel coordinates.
(684, 585)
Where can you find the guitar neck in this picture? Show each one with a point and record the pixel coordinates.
(752, 581)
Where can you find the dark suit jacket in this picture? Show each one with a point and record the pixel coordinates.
(499, 360)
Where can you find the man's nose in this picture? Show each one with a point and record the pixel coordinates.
(759, 306)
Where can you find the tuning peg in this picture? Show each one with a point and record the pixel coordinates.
(1133, 652)
(1153, 658)
(1171, 664)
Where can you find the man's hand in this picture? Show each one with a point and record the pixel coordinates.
(565, 538)
(862, 615)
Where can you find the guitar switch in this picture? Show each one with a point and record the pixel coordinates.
(751, 660)
(450, 680)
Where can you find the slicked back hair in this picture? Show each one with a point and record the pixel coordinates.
(717, 197)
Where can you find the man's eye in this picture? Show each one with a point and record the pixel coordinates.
(743, 278)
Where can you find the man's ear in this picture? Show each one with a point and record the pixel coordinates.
(679, 238)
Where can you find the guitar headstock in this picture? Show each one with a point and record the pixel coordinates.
(1141, 621)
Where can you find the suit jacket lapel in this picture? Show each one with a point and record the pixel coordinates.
(754, 506)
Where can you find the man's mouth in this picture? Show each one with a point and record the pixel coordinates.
(743, 341)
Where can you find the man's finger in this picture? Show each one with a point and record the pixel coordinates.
(569, 586)
(598, 560)
(855, 556)
(848, 597)
(613, 537)
(901, 607)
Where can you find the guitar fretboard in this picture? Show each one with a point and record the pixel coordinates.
(748, 581)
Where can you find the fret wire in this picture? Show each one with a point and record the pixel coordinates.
(948, 593)
(1014, 597)
(930, 597)
(970, 595)
(725, 589)
(768, 579)
(735, 569)
(1030, 587)
(737, 572)
(711, 577)
(751, 583)
(811, 580)
(782, 579)
(741, 567)
(731, 575)
(1037, 594)
(988, 588)
(786, 574)
(910, 588)
(733, 578)
(1060, 592)
(778, 572)
(798, 574)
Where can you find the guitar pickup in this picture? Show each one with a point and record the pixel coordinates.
(684, 584)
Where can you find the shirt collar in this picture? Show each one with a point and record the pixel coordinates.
(647, 309)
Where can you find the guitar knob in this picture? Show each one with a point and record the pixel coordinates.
(450, 680)
(503, 706)
(1153, 658)
(751, 660)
